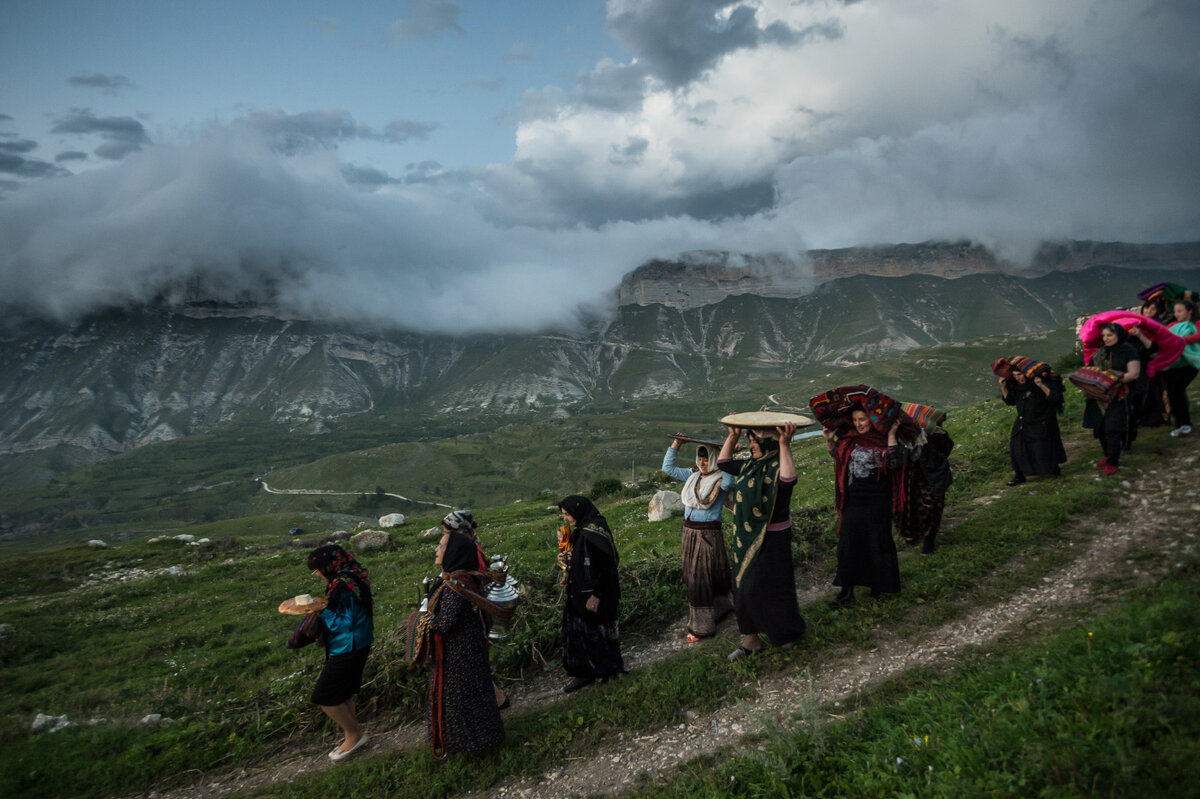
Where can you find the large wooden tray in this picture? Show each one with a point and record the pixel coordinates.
(771, 419)
(292, 608)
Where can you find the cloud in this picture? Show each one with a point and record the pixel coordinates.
(109, 83)
(535, 105)
(426, 20)
(484, 84)
(70, 155)
(292, 133)
(16, 165)
(18, 146)
(122, 135)
(402, 130)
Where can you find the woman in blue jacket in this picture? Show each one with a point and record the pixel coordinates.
(346, 628)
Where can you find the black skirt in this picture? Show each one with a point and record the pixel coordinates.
(340, 678)
(866, 553)
(765, 602)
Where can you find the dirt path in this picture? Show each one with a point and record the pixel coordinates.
(1158, 510)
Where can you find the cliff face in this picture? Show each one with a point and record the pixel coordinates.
(704, 277)
(71, 395)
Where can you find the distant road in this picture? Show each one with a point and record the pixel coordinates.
(320, 492)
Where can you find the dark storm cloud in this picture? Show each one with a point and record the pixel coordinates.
(630, 153)
(402, 130)
(612, 87)
(678, 40)
(426, 20)
(18, 145)
(122, 135)
(293, 133)
(365, 176)
(110, 83)
(13, 164)
(70, 155)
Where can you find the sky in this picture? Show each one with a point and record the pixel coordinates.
(468, 166)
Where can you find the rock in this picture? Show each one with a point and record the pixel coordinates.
(174, 571)
(6, 629)
(369, 540)
(391, 520)
(155, 720)
(663, 504)
(185, 538)
(44, 723)
(96, 543)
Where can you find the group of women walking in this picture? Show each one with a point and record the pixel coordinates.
(891, 466)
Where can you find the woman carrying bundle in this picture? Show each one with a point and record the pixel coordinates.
(868, 485)
(1179, 374)
(705, 564)
(591, 636)
(463, 716)
(764, 583)
(1110, 421)
(347, 629)
(1035, 444)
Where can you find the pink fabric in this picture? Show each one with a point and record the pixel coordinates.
(1170, 346)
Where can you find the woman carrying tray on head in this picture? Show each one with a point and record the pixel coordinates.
(764, 583)
(1110, 421)
(463, 715)
(347, 629)
(1035, 444)
(591, 635)
(705, 564)
(868, 486)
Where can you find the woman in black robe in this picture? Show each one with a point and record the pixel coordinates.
(764, 583)
(868, 480)
(1110, 422)
(1035, 443)
(463, 716)
(591, 636)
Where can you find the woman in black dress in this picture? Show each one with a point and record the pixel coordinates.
(869, 476)
(1109, 423)
(591, 636)
(1035, 443)
(463, 716)
(764, 583)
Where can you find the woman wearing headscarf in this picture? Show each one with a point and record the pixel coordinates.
(868, 487)
(347, 629)
(591, 637)
(1035, 444)
(702, 551)
(463, 716)
(1180, 373)
(764, 583)
(1109, 422)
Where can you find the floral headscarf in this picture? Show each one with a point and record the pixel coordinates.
(343, 572)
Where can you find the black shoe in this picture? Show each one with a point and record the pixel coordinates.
(927, 547)
(1016, 481)
(741, 652)
(577, 683)
(840, 601)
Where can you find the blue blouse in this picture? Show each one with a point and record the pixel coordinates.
(348, 628)
(710, 514)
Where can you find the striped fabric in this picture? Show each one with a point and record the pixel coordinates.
(1099, 384)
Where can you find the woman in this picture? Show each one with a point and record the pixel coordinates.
(1180, 374)
(347, 629)
(764, 583)
(463, 716)
(1109, 422)
(926, 481)
(1035, 444)
(705, 564)
(868, 481)
(591, 637)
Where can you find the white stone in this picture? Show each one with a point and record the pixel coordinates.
(371, 539)
(96, 543)
(663, 504)
(154, 720)
(44, 723)
(185, 538)
(391, 520)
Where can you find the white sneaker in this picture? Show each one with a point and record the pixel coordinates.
(1181, 431)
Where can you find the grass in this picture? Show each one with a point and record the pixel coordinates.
(205, 647)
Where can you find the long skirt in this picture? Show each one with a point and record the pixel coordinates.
(591, 648)
(463, 716)
(922, 515)
(866, 553)
(765, 602)
(706, 575)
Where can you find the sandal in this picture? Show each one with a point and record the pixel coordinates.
(692, 639)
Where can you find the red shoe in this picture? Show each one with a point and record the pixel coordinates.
(1109, 470)
(1100, 464)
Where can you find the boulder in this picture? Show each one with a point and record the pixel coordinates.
(391, 520)
(96, 543)
(663, 504)
(155, 720)
(369, 540)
